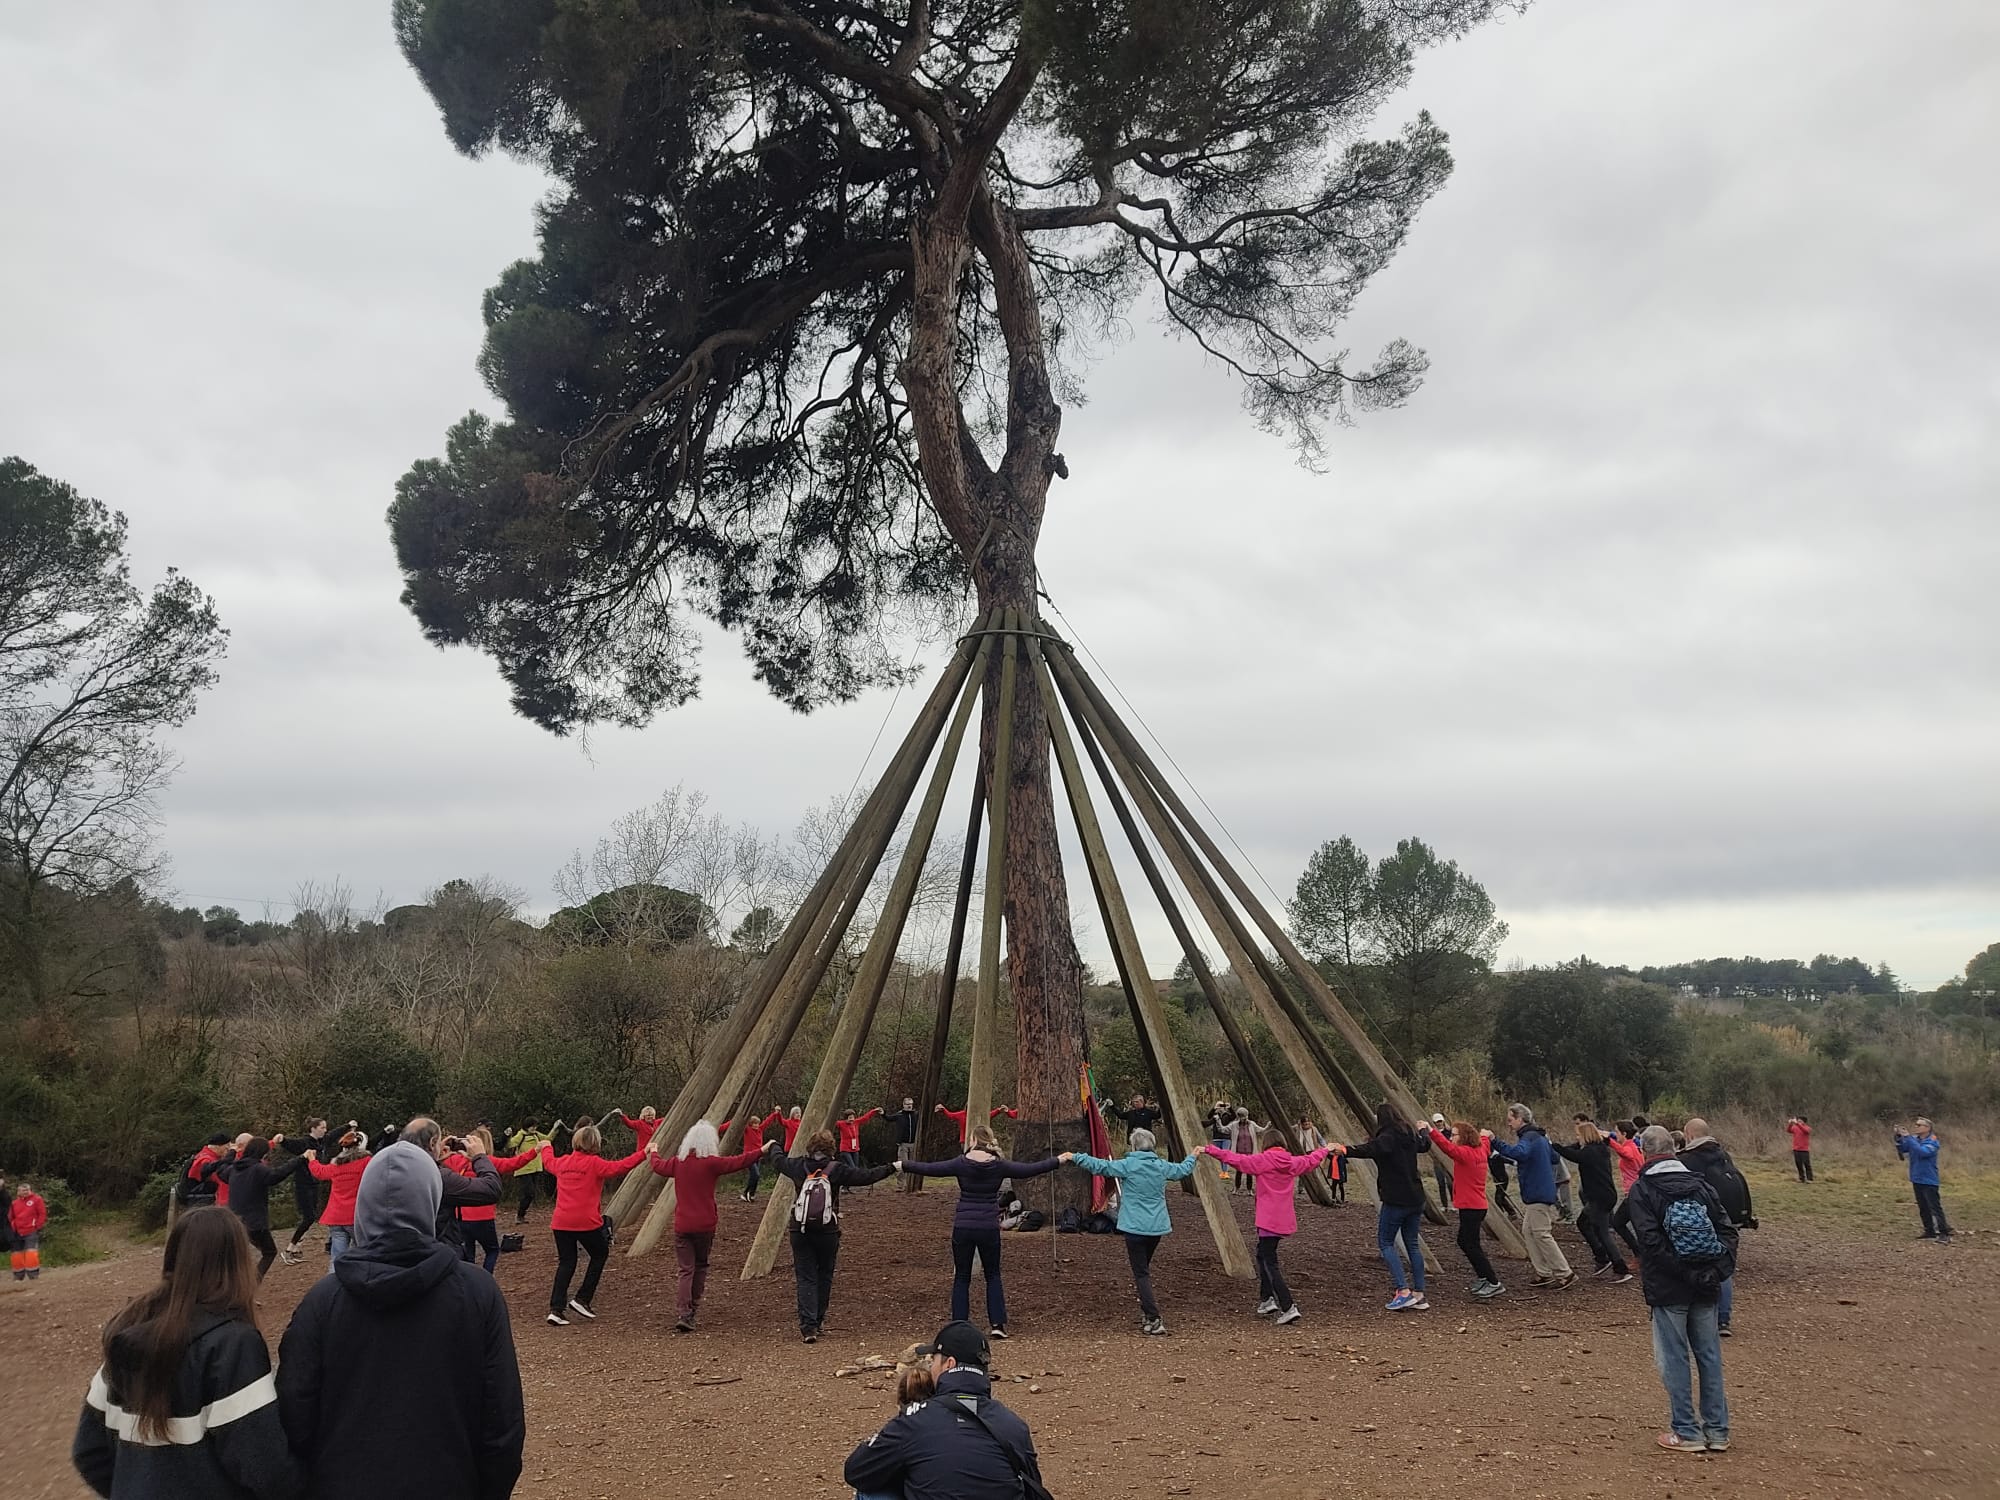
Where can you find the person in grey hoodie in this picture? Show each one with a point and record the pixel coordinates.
(401, 1311)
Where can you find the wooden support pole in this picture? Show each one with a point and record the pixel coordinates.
(1338, 1112)
(986, 1003)
(1176, 1095)
(1180, 834)
(1232, 1028)
(928, 1122)
(734, 1036)
(850, 1033)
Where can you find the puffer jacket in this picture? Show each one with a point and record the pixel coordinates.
(1276, 1172)
(1640, 1218)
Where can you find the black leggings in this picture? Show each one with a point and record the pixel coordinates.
(1595, 1223)
(308, 1216)
(595, 1243)
(814, 1255)
(267, 1249)
(480, 1234)
(527, 1185)
(964, 1242)
(1139, 1250)
(1270, 1280)
(1471, 1221)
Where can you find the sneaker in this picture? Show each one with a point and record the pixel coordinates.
(1398, 1302)
(1543, 1281)
(1493, 1289)
(1418, 1303)
(997, 1333)
(581, 1311)
(1563, 1281)
(1289, 1315)
(683, 1326)
(1944, 1239)
(1621, 1278)
(1154, 1326)
(1718, 1445)
(1603, 1270)
(1673, 1442)
(1926, 1236)
(557, 1320)
(810, 1335)
(1721, 1331)
(1268, 1305)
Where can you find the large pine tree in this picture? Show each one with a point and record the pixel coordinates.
(792, 353)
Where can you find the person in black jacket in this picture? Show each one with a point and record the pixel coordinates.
(1667, 1210)
(1704, 1156)
(1139, 1115)
(1393, 1148)
(815, 1227)
(909, 1129)
(305, 1187)
(183, 1406)
(961, 1444)
(250, 1181)
(401, 1311)
(476, 1191)
(1592, 1155)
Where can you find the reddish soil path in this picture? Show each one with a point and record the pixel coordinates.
(1859, 1368)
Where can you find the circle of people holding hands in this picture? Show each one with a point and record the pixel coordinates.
(186, 1401)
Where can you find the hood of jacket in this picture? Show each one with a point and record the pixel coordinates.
(1672, 1178)
(397, 1256)
(966, 1381)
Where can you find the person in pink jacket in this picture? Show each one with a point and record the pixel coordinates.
(1276, 1171)
(1631, 1160)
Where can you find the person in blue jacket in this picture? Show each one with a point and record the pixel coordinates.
(1534, 1164)
(1142, 1210)
(1921, 1148)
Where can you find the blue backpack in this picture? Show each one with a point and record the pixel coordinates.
(1696, 1245)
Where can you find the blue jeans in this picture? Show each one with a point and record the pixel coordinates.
(1390, 1223)
(339, 1240)
(1679, 1332)
(1725, 1302)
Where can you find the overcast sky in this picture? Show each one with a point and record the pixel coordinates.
(1667, 607)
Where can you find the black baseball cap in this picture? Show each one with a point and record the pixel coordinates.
(962, 1342)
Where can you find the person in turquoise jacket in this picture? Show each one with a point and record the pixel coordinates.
(1920, 1146)
(1142, 1210)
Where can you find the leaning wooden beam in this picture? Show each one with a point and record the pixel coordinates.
(1225, 1013)
(850, 1032)
(731, 1039)
(930, 1123)
(1343, 1022)
(1181, 834)
(1176, 1095)
(986, 1002)
(1305, 1063)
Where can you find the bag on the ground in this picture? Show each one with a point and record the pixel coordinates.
(813, 1208)
(513, 1242)
(1069, 1221)
(1100, 1224)
(1034, 1218)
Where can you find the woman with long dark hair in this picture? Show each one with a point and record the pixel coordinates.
(250, 1179)
(1275, 1172)
(184, 1403)
(578, 1220)
(1592, 1155)
(1393, 1148)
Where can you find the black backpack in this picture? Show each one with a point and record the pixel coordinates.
(190, 1191)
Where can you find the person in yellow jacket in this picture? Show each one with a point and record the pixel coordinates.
(529, 1176)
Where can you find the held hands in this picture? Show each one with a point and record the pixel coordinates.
(1065, 1157)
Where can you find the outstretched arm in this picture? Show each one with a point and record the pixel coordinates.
(1233, 1159)
(1020, 1169)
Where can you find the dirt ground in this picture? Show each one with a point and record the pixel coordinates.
(1863, 1364)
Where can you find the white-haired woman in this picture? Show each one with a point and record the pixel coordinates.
(695, 1169)
(1142, 1209)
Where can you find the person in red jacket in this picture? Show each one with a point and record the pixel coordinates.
(476, 1220)
(1468, 1150)
(578, 1220)
(695, 1170)
(847, 1129)
(26, 1217)
(764, 1127)
(199, 1187)
(1801, 1133)
(1631, 1160)
(643, 1127)
(344, 1172)
(957, 1116)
